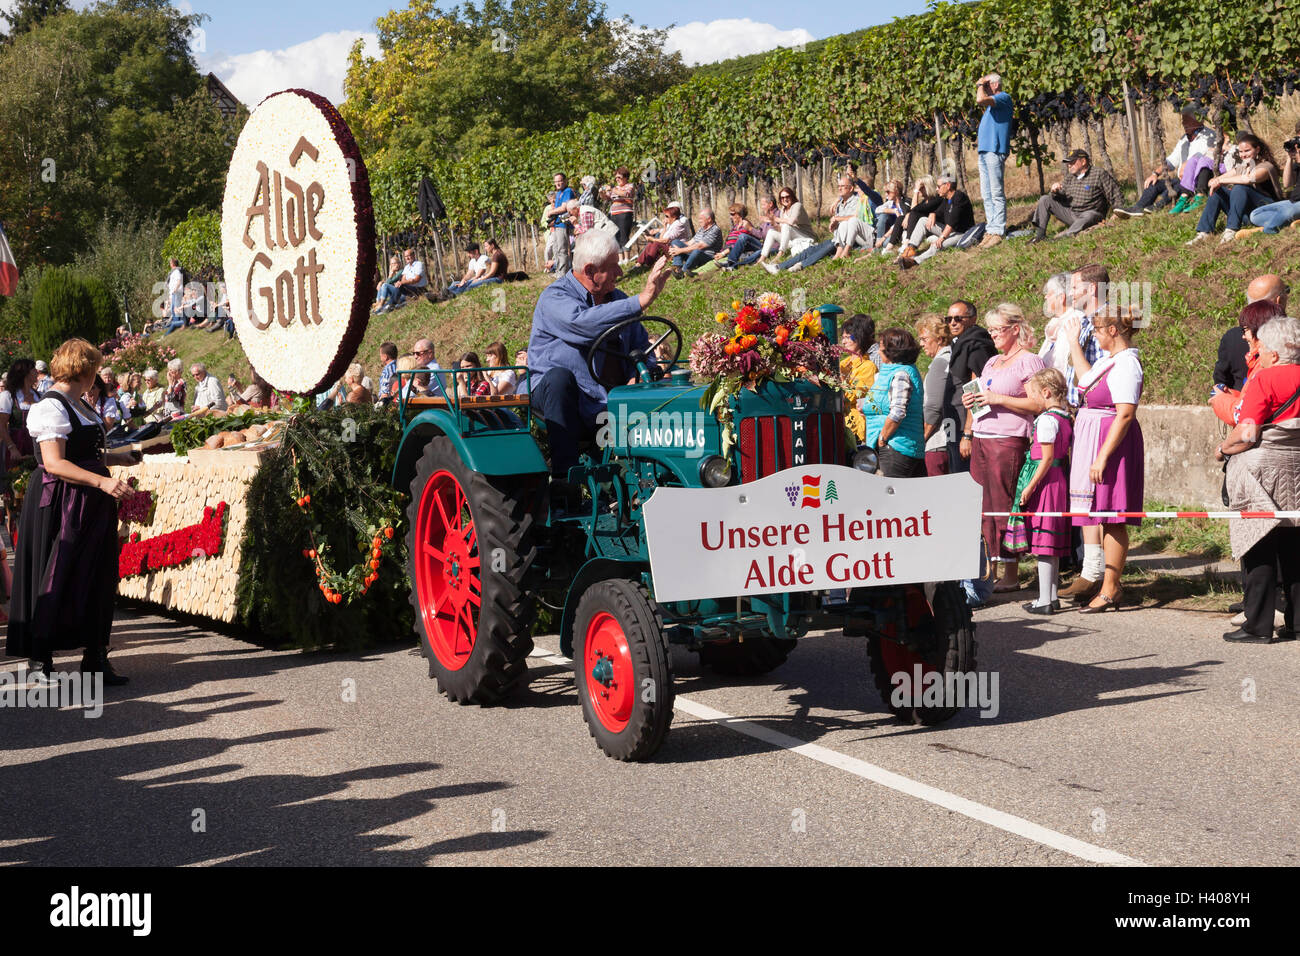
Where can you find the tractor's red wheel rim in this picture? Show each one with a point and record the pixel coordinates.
(899, 659)
(607, 669)
(447, 570)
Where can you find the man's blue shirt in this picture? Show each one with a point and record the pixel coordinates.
(995, 125)
(566, 323)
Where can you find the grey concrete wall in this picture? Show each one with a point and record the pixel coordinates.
(1180, 442)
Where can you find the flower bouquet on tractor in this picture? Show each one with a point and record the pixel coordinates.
(722, 511)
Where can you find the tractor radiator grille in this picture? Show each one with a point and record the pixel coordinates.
(767, 443)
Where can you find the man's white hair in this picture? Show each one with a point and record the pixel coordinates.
(200, 368)
(995, 78)
(593, 247)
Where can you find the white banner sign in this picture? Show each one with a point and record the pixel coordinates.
(812, 528)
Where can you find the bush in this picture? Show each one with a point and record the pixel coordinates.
(127, 258)
(103, 309)
(61, 310)
(16, 310)
(135, 353)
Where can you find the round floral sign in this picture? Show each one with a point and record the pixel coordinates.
(298, 241)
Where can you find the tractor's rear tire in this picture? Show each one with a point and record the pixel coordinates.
(747, 658)
(953, 653)
(622, 669)
(469, 549)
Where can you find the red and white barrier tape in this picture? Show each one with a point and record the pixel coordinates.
(1142, 514)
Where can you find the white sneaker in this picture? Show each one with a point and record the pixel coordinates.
(1197, 238)
(794, 268)
(771, 268)
(1228, 236)
(887, 248)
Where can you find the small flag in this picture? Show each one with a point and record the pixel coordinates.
(8, 267)
(812, 492)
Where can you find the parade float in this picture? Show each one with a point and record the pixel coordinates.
(281, 520)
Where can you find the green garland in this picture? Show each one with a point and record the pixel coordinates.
(342, 459)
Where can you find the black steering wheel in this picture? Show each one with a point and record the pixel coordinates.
(640, 358)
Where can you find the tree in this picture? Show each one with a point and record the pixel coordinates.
(28, 14)
(196, 244)
(61, 310)
(105, 114)
(493, 74)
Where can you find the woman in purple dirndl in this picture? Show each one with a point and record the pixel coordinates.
(65, 571)
(1106, 471)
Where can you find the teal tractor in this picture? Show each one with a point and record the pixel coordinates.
(487, 549)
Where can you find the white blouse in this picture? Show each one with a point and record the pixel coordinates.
(1125, 379)
(47, 420)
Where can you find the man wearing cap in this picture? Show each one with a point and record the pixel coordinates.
(952, 224)
(660, 241)
(1186, 173)
(43, 378)
(1083, 199)
(994, 142)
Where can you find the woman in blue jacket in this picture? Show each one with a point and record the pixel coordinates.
(894, 407)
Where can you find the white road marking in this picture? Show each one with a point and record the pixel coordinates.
(1000, 819)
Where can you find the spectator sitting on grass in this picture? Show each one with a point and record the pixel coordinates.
(1186, 173)
(1248, 185)
(394, 273)
(795, 233)
(925, 200)
(745, 241)
(658, 241)
(1082, 199)
(852, 220)
(475, 268)
(706, 241)
(952, 224)
(845, 224)
(1273, 216)
(412, 283)
(889, 213)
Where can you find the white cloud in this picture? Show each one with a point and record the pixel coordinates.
(318, 65)
(700, 42)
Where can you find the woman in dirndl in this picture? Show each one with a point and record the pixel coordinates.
(65, 572)
(1106, 469)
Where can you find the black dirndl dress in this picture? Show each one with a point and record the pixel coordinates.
(65, 558)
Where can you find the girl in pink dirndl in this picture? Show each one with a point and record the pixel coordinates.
(1106, 472)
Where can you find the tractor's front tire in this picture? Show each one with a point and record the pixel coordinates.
(954, 652)
(747, 658)
(469, 548)
(622, 669)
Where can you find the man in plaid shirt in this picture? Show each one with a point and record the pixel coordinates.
(1085, 198)
(1088, 296)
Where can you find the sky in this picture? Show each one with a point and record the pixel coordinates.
(257, 47)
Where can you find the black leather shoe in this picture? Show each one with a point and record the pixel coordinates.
(1243, 636)
(1285, 634)
(1236, 607)
(1047, 609)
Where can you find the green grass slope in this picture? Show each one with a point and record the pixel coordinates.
(1195, 294)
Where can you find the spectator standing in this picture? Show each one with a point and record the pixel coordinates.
(1082, 199)
(940, 424)
(1043, 486)
(1247, 186)
(1089, 296)
(1056, 296)
(893, 408)
(1107, 458)
(701, 247)
(43, 379)
(972, 347)
(620, 197)
(387, 366)
(65, 570)
(857, 368)
(561, 227)
(1272, 217)
(176, 293)
(207, 389)
(1000, 433)
(994, 143)
(16, 400)
(1263, 474)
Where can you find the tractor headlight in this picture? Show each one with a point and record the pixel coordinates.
(715, 472)
(866, 460)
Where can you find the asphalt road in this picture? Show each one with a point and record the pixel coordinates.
(1120, 738)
